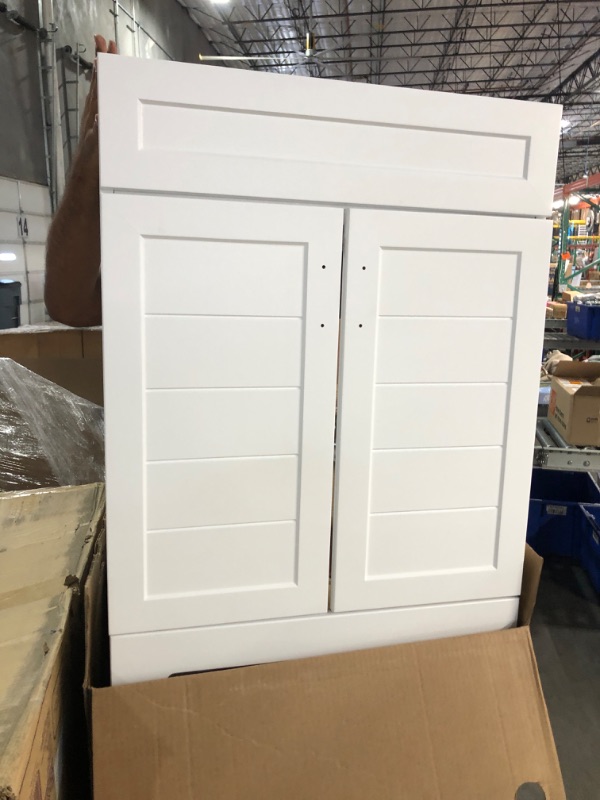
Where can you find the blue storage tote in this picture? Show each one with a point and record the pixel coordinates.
(583, 320)
(554, 524)
(590, 543)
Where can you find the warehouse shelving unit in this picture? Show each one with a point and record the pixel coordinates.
(551, 451)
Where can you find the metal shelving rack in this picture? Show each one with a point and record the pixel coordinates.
(551, 451)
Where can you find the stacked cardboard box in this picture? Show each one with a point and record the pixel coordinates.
(69, 357)
(46, 538)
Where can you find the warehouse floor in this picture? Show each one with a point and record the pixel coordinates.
(566, 637)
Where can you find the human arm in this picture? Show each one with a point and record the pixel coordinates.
(72, 287)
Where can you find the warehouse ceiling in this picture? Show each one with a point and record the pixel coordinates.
(546, 50)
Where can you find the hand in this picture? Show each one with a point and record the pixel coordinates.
(90, 110)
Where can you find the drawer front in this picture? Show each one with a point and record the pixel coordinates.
(183, 128)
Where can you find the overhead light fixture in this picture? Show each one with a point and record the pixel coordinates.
(574, 200)
(558, 204)
(8, 256)
(565, 123)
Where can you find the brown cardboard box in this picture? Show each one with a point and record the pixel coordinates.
(454, 719)
(70, 357)
(574, 408)
(559, 310)
(51, 437)
(570, 294)
(46, 537)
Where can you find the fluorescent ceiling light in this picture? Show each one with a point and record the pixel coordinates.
(8, 256)
(574, 200)
(558, 204)
(565, 123)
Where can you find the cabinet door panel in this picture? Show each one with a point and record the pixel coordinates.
(246, 422)
(425, 350)
(437, 404)
(440, 414)
(221, 342)
(448, 287)
(408, 480)
(198, 352)
(221, 491)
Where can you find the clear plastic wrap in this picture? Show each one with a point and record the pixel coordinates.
(48, 436)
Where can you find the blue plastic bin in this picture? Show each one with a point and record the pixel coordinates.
(554, 526)
(583, 320)
(590, 543)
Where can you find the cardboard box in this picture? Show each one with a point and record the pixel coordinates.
(46, 538)
(70, 357)
(453, 719)
(569, 295)
(574, 408)
(51, 436)
(559, 310)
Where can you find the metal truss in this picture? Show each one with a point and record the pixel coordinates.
(544, 50)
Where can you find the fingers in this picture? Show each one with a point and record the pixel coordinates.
(103, 47)
(100, 42)
(90, 109)
(91, 105)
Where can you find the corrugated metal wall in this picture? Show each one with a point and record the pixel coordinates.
(146, 28)
(21, 132)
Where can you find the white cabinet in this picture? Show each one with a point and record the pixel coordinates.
(253, 286)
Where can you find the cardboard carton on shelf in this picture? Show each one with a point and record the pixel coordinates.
(559, 310)
(449, 719)
(574, 408)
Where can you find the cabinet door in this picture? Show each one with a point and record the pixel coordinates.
(442, 336)
(221, 340)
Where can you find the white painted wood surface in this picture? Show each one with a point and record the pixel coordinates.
(221, 331)
(437, 407)
(220, 351)
(148, 656)
(176, 127)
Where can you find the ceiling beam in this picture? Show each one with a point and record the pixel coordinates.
(577, 81)
(469, 69)
(421, 55)
(517, 5)
(547, 42)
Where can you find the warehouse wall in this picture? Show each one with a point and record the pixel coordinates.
(21, 133)
(146, 28)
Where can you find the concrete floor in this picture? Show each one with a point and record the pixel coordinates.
(566, 637)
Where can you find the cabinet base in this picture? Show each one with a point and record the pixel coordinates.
(149, 656)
